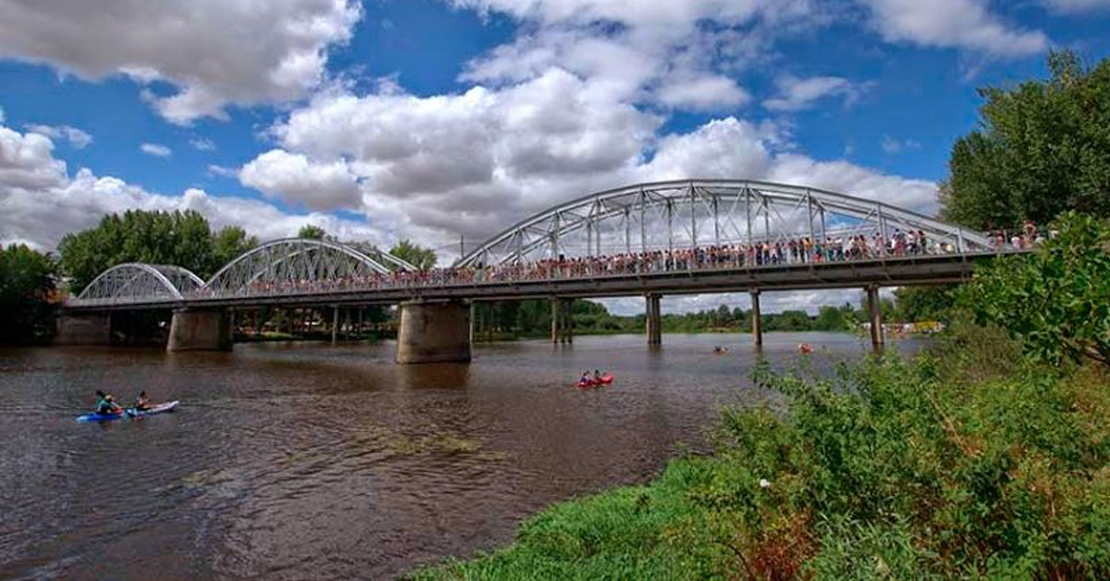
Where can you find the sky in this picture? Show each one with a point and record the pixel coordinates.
(440, 119)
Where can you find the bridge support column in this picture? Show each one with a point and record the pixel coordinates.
(84, 329)
(433, 333)
(757, 323)
(200, 330)
(876, 318)
(562, 320)
(654, 320)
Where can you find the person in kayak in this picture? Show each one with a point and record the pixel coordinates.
(597, 376)
(142, 403)
(105, 405)
(585, 380)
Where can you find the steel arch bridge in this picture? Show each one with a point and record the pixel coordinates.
(277, 266)
(691, 213)
(632, 221)
(139, 282)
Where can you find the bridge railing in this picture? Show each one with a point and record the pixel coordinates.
(733, 257)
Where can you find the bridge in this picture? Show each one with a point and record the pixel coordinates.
(650, 240)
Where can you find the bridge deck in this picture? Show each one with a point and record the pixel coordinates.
(888, 271)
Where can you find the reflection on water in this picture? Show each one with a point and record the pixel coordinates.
(312, 461)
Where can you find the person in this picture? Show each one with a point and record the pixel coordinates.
(105, 405)
(585, 380)
(142, 403)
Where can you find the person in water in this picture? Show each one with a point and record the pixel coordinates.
(142, 403)
(105, 405)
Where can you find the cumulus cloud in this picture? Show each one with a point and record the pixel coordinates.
(202, 144)
(156, 150)
(40, 202)
(965, 24)
(215, 52)
(77, 138)
(796, 94)
(297, 179)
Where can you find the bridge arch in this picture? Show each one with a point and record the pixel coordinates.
(689, 213)
(293, 263)
(140, 282)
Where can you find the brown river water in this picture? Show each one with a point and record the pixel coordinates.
(301, 460)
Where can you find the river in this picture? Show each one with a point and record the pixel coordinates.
(306, 460)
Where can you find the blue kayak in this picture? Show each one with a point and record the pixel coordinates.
(129, 413)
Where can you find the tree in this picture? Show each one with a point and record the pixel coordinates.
(229, 243)
(922, 303)
(1057, 300)
(178, 238)
(834, 318)
(1044, 148)
(26, 295)
(312, 232)
(419, 256)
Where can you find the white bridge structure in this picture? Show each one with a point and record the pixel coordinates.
(690, 236)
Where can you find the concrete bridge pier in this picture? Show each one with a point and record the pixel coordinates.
(433, 332)
(562, 320)
(654, 321)
(757, 323)
(876, 318)
(84, 329)
(200, 330)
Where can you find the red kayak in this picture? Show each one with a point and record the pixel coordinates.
(603, 380)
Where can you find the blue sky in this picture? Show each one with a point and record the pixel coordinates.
(435, 118)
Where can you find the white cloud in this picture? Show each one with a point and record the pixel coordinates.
(894, 146)
(155, 150)
(77, 138)
(796, 94)
(705, 93)
(964, 24)
(1, 115)
(224, 172)
(299, 180)
(202, 144)
(39, 202)
(215, 52)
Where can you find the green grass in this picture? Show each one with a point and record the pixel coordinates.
(965, 463)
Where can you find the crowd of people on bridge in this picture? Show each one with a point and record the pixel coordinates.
(768, 253)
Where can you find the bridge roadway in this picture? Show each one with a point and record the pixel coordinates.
(860, 273)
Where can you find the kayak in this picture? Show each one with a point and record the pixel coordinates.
(158, 409)
(603, 380)
(129, 413)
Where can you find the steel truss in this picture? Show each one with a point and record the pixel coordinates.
(288, 264)
(138, 282)
(691, 213)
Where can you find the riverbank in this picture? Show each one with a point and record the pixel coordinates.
(969, 461)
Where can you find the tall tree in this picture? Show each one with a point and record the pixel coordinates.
(312, 232)
(1043, 148)
(26, 295)
(229, 243)
(177, 238)
(419, 256)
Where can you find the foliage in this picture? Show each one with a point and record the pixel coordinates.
(312, 232)
(1057, 300)
(923, 303)
(229, 243)
(177, 238)
(419, 256)
(892, 469)
(1044, 148)
(26, 292)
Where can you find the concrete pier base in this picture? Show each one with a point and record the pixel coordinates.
(200, 330)
(876, 318)
(653, 320)
(84, 329)
(562, 321)
(433, 333)
(757, 323)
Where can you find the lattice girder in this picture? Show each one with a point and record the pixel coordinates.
(293, 264)
(690, 213)
(140, 282)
